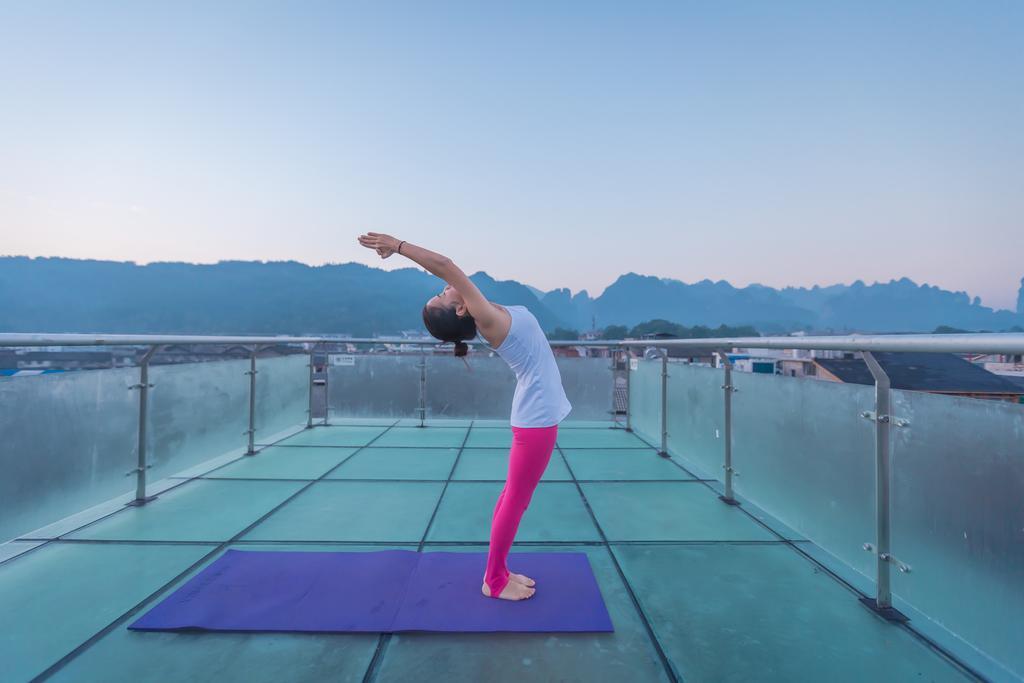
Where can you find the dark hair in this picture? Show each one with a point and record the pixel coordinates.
(444, 323)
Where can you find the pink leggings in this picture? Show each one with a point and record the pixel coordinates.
(531, 451)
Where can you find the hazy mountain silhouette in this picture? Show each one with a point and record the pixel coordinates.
(247, 297)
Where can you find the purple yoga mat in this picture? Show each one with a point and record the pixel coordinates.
(383, 591)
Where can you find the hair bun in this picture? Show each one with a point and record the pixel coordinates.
(461, 348)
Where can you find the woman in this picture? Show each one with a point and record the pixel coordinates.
(457, 314)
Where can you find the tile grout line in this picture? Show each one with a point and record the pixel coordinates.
(63, 661)
(384, 640)
(441, 481)
(793, 544)
(665, 661)
(298, 542)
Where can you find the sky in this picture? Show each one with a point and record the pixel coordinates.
(560, 144)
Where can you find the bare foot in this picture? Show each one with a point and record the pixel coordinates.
(522, 578)
(513, 591)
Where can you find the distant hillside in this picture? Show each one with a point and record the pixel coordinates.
(252, 297)
(897, 306)
(230, 297)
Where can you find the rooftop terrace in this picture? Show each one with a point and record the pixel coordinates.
(697, 589)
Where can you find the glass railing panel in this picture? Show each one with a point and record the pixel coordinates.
(68, 440)
(590, 387)
(696, 414)
(645, 398)
(804, 454)
(958, 517)
(389, 386)
(282, 394)
(374, 386)
(485, 390)
(455, 391)
(197, 411)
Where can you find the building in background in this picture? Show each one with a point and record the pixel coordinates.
(939, 373)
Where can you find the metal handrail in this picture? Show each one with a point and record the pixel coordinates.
(989, 342)
(995, 342)
(19, 339)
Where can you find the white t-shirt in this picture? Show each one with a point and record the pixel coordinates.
(539, 400)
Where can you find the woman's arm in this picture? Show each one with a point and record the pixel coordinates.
(488, 319)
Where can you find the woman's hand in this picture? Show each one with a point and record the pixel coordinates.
(385, 245)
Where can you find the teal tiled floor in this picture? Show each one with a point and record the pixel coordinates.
(556, 513)
(489, 437)
(336, 436)
(668, 511)
(761, 612)
(209, 510)
(393, 512)
(423, 437)
(146, 657)
(278, 462)
(616, 464)
(492, 463)
(397, 463)
(55, 598)
(697, 590)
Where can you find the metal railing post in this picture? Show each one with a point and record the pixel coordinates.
(140, 471)
(327, 387)
(423, 389)
(629, 372)
(251, 450)
(729, 389)
(882, 602)
(664, 404)
(309, 420)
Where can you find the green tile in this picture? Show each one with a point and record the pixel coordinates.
(204, 510)
(625, 655)
(621, 463)
(490, 437)
(334, 436)
(599, 438)
(341, 510)
(426, 437)
(762, 613)
(668, 511)
(362, 421)
(137, 657)
(55, 598)
(398, 463)
(285, 463)
(492, 463)
(586, 424)
(434, 422)
(501, 424)
(556, 513)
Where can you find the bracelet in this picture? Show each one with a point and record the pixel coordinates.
(399, 250)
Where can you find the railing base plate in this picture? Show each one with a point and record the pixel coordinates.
(729, 501)
(887, 613)
(139, 502)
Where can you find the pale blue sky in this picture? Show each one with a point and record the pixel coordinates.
(557, 143)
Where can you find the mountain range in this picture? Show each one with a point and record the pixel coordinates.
(286, 297)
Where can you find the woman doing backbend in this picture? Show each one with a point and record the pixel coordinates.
(458, 314)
